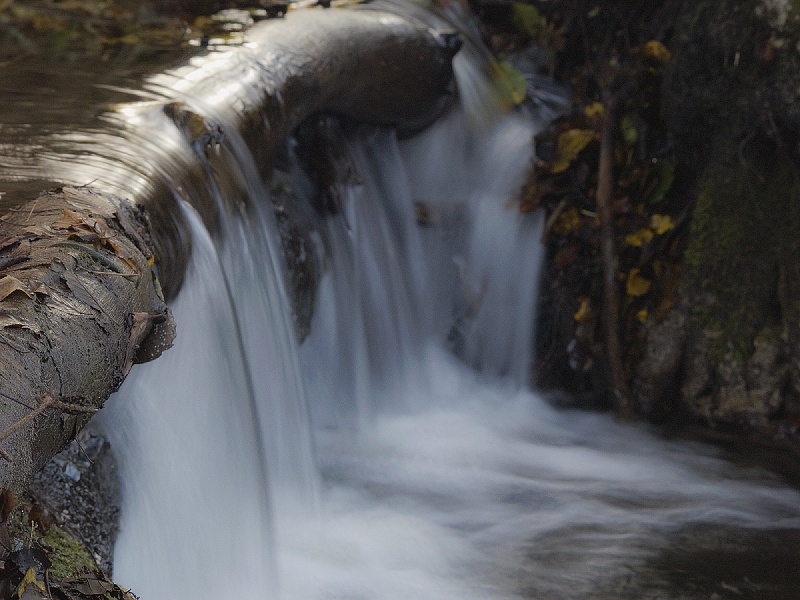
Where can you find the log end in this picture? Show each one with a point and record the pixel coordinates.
(80, 303)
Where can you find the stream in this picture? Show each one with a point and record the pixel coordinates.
(398, 453)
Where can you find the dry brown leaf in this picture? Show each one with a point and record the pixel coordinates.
(9, 285)
(69, 218)
(80, 291)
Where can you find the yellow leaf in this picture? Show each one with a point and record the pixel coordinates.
(661, 224)
(641, 316)
(628, 129)
(527, 19)
(583, 310)
(595, 110)
(639, 238)
(570, 144)
(657, 51)
(569, 222)
(509, 82)
(29, 579)
(637, 285)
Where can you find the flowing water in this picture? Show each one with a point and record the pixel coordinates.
(398, 453)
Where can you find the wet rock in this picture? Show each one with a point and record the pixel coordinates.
(735, 67)
(296, 226)
(79, 486)
(732, 390)
(656, 384)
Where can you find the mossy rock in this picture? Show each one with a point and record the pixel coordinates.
(736, 70)
(744, 242)
(732, 102)
(740, 287)
(46, 560)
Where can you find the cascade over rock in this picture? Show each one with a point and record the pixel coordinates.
(83, 268)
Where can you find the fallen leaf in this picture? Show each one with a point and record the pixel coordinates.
(569, 222)
(570, 144)
(639, 238)
(18, 253)
(29, 580)
(125, 254)
(79, 290)
(594, 110)
(9, 285)
(69, 218)
(583, 310)
(92, 586)
(662, 223)
(641, 316)
(657, 51)
(34, 593)
(9, 321)
(637, 285)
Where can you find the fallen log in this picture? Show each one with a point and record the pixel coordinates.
(85, 271)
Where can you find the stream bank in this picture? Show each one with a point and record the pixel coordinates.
(671, 240)
(705, 205)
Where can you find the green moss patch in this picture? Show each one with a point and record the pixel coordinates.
(743, 249)
(45, 561)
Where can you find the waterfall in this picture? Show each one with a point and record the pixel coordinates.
(398, 453)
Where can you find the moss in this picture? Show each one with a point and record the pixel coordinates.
(743, 237)
(69, 557)
(736, 70)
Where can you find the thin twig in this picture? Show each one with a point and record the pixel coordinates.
(80, 447)
(33, 206)
(47, 401)
(551, 220)
(623, 402)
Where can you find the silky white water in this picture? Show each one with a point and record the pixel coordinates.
(398, 453)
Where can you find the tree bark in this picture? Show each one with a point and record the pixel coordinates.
(82, 269)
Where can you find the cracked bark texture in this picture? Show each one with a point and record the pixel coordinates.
(78, 298)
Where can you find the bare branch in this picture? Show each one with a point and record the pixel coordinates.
(623, 402)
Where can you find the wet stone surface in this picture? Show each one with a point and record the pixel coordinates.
(81, 488)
